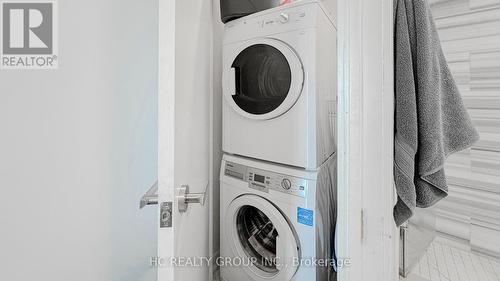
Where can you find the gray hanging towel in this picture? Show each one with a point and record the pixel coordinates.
(431, 121)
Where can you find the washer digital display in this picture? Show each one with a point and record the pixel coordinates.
(259, 178)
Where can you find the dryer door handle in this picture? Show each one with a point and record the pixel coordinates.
(232, 81)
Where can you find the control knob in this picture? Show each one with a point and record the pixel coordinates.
(286, 184)
(284, 18)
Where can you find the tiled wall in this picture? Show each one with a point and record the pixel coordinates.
(470, 35)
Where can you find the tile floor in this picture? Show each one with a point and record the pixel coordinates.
(450, 260)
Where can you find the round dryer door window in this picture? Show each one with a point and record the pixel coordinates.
(262, 236)
(263, 78)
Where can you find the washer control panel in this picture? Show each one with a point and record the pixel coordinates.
(265, 180)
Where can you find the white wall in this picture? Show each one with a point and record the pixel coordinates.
(469, 33)
(78, 149)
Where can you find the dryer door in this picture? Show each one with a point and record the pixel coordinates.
(262, 78)
(261, 235)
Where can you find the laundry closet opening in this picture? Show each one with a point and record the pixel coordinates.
(277, 196)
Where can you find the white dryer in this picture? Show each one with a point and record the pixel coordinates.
(277, 222)
(280, 85)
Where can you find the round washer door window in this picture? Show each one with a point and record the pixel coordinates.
(259, 233)
(263, 79)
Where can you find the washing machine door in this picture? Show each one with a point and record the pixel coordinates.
(260, 235)
(262, 78)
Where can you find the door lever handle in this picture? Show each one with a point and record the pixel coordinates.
(184, 198)
(151, 196)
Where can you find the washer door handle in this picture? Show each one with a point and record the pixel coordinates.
(184, 198)
(279, 254)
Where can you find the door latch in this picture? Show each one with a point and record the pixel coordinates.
(166, 214)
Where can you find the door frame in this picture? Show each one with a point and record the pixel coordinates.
(366, 79)
(166, 102)
(365, 119)
(184, 145)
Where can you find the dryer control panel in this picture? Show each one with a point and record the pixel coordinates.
(274, 21)
(264, 180)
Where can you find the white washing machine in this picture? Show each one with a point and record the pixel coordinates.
(277, 222)
(280, 85)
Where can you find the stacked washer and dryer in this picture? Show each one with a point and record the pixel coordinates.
(278, 173)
